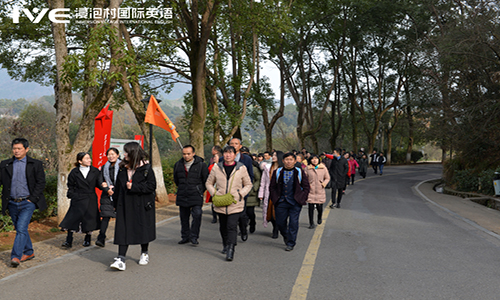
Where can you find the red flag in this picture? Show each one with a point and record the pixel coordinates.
(102, 137)
(157, 117)
(102, 140)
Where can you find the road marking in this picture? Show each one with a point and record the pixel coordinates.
(301, 286)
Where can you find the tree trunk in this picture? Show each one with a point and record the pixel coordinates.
(352, 99)
(411, 130)
(63, 104)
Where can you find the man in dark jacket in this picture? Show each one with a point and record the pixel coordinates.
(288, 191)
(374, 161)
(190, 175)
(247, 161)
(338, 172)
(23, 181)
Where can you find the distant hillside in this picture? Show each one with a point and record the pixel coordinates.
(13, 89)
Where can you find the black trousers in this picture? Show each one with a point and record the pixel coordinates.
(337, 195)
(375, 167)
(318, 207)
(192, 231)
(243, 220)
(352, 178)
(363, 174)
(228, 227)
(250, 212)
(104, 227)
(122, 250)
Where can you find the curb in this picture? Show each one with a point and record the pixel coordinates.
(457, 216)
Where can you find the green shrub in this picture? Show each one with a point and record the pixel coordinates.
(168, 175)
(486, 181)
(416, 156)
(5, 221)
(50, 193)
(399, 156)
(466, 181)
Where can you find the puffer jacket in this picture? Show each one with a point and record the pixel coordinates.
(252, 199)
(318, 179)
(240, 188)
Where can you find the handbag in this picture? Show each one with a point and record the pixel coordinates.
(226, 199)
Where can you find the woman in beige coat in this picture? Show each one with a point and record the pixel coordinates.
(318, 179)
(232, 177)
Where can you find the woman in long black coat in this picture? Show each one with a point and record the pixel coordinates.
(134, 198)
(83, 213)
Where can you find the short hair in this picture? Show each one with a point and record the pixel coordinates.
(114, 150)
(22, 141)
(245, 149)
(79, 157)
(266, 152)
(189, 146)
(338, 150)
(235, 138)
(229, 149)
(288, 154)
(217, 148)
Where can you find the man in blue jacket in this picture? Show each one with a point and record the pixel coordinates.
(288, 190)
(23, 181)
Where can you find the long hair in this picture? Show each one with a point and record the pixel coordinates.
(279, 163)
(135, 154)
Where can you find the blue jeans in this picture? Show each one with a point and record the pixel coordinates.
(287, 219)
(381, 167)
(21, 213)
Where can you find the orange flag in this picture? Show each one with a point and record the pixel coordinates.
(156, 116)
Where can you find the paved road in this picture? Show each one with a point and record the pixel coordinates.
(386, 242)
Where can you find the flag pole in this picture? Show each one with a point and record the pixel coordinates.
(179, 142)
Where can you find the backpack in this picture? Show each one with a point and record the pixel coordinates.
(278, 171)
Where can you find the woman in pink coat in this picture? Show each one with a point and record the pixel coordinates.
(318, 179)
(352, 166)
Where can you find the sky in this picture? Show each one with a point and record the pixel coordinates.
(13, 89)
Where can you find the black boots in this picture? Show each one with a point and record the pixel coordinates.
(86, 240)
(230, 252)
(275, 231)
(100, 240)
(214, 216)
(69, 241)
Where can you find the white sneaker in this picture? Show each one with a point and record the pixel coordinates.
(119, 264)
(144, 260)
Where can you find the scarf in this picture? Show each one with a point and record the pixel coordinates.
(105, 173)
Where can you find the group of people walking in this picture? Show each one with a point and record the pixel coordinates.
(234, 181)
(128, 194)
